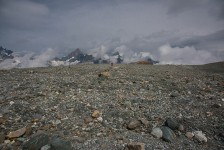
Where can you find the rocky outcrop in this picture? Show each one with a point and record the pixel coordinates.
(5, 54)
(76, 56)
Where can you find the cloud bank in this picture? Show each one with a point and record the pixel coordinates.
(29, 60)
(185, 55)
(106, 25)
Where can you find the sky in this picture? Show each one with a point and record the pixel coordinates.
(171, 31)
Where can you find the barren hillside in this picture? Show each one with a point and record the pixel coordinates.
(75, 108)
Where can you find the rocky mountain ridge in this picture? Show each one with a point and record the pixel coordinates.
(74, 57)
(77, 56)
(5, 54)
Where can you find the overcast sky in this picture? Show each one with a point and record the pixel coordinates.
(175, 31)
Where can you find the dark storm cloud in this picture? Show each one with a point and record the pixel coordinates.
(179, 6)
(213, 7)
(212, 41)
(218, 9)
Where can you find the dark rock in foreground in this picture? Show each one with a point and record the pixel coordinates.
(59, 144)
(168, 134)
(36, 142)
(172, 123)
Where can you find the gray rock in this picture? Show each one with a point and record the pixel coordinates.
(172, 124)
(133, 124)
(144, 121)
(136, 146)
(60, 144)
(200, 136)
(168, 134)
(181, 127)
(190, 135)
(20, 139)
(174, 94)
(46, 147)
(221, 136)
(216, 105)
(157, 132)
(36, 142)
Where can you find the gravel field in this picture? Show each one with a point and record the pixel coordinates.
(126, 107)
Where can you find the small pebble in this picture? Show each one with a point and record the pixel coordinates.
(96, 114)
(180, 116)
(216, 105)
(100, 119)
(144, 121)
(189, 135)
(46, 147)
(133, 124)
(57, 122)
(21, 139)
(98, 134)
(11, 102)
(157, 132)
(17, 133)
(200, 136)
(181, 127)
(7, 141)
(136, 146)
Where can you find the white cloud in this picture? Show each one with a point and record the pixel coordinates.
(128, 55)
(40, 60)
(185, 55)
(62, 63)
(29, 60)
(98, 52)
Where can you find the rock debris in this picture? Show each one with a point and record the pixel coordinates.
(124, 107)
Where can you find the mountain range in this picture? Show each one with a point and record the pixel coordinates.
(5, 54)
(74, 57)
(77, 56)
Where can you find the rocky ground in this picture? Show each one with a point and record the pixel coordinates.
(130, 106)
